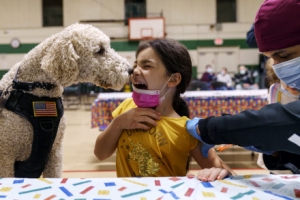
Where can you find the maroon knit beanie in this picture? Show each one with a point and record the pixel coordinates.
(277, 25)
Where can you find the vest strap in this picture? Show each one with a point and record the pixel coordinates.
(44, 114)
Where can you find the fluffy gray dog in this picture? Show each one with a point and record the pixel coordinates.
(31, 113)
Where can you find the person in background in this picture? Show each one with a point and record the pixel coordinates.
(251, 42)
(274, 130)
(224, 77)
(244, 79)
(208, 76)
(148, 130)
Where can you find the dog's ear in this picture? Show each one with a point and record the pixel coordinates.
(60, 62)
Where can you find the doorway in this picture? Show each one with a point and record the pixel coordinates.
(217, 57)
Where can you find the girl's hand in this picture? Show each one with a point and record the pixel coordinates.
(138, 118)
(212, 174)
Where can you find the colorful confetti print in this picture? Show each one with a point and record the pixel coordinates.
(254, 187)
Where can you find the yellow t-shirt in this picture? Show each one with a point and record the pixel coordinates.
(161, 151)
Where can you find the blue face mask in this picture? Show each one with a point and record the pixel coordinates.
(289, 72)
(287, 93)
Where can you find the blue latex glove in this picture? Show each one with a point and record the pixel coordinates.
(191, 128)
(252, 148)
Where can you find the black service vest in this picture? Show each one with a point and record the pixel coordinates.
(44, 114)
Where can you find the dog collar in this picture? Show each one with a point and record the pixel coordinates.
(29, 86)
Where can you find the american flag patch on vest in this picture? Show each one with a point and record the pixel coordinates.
(44, 109)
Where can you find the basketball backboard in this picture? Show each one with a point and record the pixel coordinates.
(146, 28)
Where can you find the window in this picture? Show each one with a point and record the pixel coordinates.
(134, 8)
(52, 13)
(226, 11)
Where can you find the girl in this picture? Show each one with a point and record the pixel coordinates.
(148, 130)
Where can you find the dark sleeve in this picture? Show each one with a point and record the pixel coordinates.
(204, 77)
(250, 38)
(236, 79)
(214, 77)
(250, 79)
(275, 127)
(279, 160)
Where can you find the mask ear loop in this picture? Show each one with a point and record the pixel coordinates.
(164, 96)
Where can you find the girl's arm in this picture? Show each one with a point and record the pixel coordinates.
(106, 141)
(135, 118)
(213, 166)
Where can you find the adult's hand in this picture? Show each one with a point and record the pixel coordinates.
(192, 128)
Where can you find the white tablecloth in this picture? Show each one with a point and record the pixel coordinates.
(211, 93)
(251, 187)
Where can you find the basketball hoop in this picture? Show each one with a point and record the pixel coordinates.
(146, 28)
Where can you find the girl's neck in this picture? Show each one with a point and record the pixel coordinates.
(166, 109)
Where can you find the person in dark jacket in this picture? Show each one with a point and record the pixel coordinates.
(275, 129)
(244, 79)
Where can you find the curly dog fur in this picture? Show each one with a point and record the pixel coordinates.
(79, 53)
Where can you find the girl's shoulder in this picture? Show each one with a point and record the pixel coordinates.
(179, 119)
(124, 106)
(128, 102)
(177, 126)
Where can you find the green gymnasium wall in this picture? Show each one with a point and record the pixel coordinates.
(132, 46)
(2, 72)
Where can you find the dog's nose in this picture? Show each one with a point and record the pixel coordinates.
(130, 71)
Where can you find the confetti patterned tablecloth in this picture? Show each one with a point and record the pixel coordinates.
(252, 187)
(200, 104)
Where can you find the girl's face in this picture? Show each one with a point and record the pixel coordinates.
(148, 71)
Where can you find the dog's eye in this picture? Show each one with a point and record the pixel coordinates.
(101, 51)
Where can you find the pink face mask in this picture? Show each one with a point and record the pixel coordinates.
(147, 98)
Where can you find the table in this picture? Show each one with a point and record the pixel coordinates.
(201, 103)
(246, 187)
